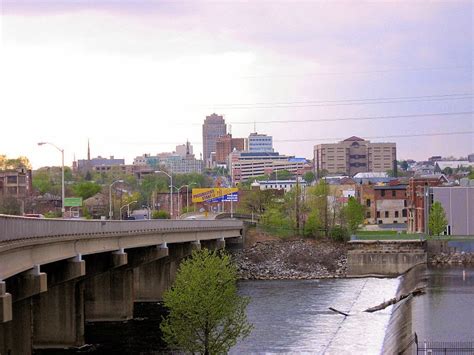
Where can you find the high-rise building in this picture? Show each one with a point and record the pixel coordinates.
(354, 155)
(213, 128)
(260, 143)
(226, 145)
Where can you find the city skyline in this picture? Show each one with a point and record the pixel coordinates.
(140, 78)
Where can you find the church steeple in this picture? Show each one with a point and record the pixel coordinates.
(88, 151)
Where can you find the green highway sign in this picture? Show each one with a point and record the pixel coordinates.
(72, 201)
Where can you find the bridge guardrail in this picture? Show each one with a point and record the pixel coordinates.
(14, 227)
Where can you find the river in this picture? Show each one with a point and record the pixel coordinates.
(294, 316)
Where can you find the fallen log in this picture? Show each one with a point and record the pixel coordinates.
(340, 312)
(416, 292)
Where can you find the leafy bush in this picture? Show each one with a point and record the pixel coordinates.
(339, 233)
(160, 215)
(312, 226)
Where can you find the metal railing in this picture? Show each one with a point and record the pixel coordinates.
(437, 347)
(15, 228)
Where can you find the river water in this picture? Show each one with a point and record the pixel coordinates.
(294, 316)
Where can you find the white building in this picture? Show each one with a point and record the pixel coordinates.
(286, 185)
(245, 165)
(260, 143)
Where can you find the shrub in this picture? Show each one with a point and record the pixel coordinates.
(339, 233)
(160, 215)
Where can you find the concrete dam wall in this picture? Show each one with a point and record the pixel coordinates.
(384, 257)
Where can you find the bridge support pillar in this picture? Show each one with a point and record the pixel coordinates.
(109, 296)
(151, 280)
(15, 335)
(5, 304)
(58, 316)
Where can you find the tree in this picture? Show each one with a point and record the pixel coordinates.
(437, 220)
(318, 200)
(206, 314)
(86, 189)
(309, 177)
(404, 165)
(354, 214)
(313, 225)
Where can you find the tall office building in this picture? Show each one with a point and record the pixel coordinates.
(260, 143)
(213, 128)
(354, 155)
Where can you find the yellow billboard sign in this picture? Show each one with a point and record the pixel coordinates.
(215, 194)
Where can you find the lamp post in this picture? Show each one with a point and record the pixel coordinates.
(171, 190)
(128, 209)
(111, 213)
(63, 209)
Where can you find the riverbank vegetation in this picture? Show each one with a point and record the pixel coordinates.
(312, 213)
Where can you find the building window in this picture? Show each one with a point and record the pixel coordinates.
(404, 203)
(386, 214)
(404, 213)
(382, 193)
(378, 214)
(11, 179)
(396, 214)
(394, 193)
(368, 202)
(367, 214)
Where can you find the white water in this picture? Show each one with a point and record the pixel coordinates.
(294, 316)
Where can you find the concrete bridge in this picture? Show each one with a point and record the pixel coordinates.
(55, 275)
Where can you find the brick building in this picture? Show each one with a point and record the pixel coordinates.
(418, 199)
(16, 183)
(225, 145)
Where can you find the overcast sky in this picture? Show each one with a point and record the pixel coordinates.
(139, 77)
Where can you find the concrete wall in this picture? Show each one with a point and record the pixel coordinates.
(458, 203)
(384, 258)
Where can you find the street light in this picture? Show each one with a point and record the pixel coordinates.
(171, 190)
(128, 209)
(111, 213)
(63, 209)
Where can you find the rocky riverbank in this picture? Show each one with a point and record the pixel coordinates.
(457, 258)
(291, 260)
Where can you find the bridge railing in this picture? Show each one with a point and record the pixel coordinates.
(14, 227)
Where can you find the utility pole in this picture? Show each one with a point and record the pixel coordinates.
(297, 208)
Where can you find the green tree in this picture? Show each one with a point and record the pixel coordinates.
(354, 214)
(309, 177)
(86, 189)
(471, 175)
(312, 226)
(206, 314)
(437, 221)
(317, 199)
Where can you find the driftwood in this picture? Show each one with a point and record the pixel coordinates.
(416, 292)
(340, 312)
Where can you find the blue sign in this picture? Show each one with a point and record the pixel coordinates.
(234, 197)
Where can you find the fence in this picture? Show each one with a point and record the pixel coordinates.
(437, 347)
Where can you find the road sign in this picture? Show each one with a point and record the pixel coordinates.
(72, 201)
(234, 197)
(217, 193)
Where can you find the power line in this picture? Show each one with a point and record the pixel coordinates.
(361, 118)
(469, 94)
(380, 137)
(329, 139)
(393, 70)
(355, 103)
